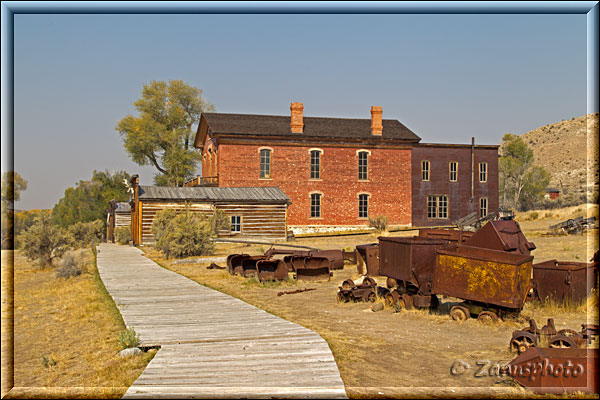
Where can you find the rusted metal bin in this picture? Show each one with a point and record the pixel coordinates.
(451, 235)
(368, 254)
(564, 280)
(409, 261)
(484, 276)
(503, 235)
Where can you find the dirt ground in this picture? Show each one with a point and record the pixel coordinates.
(406, 353)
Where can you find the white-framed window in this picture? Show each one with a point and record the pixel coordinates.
(236, 223)
(425, 170)
(315, 205)
(483, 207)
(453, 171)
(265, 163)
(363, 165)
(363, 205)
(437, 206)
(482, 172)
(315, 164)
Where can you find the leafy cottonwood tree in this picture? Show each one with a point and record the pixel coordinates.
(162, 135)
(12, 186)
(88, 200)
(520, 181)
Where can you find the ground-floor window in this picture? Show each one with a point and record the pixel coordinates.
(315, 205)
(363, 206)
(437, 206)
(236, 223)
(483, 207)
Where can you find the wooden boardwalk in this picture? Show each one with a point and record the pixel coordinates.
(212, 345)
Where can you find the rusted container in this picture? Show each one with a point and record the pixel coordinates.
(336, 257)
(482, 275)
(564, 280)
(546, 370)
(271, 270)
(368, 254)
(312, 268)
(409, 260)
(248, 268)
(451, 235)
(234, 263)
(503, 235)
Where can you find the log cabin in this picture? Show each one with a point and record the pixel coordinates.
(119, 215)
(252, 212)
(338, 172)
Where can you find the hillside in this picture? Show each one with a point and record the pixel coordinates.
(568, 150)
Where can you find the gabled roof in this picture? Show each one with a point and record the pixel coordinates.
(214, 194)
(122, 207)
(314, 127)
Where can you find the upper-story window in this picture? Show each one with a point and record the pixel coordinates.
(482, 172)
(265, 163)
(315, 205)
(425, 170)
(363, 206)
(453, 171)
(315, 164)
(437, 206)
(363, 165)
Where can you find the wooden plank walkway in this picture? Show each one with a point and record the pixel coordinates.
(212, 345)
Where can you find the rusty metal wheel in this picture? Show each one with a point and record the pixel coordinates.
(390, 301)
(521, 341)
(391, 283)
(348, 284)
(568, 332)
(371, 297)
(368, 281)
(342, 298)
(561, 342)
(459, 313)
(407, 302)
(488, 317)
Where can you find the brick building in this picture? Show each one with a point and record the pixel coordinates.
(336, 171)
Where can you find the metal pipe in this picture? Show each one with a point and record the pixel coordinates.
(472, 168)
(219, 240)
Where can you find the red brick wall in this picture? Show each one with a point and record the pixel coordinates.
(389, 182)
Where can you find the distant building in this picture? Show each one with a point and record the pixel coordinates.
(338, 172)
(552, 193)
(119, 214)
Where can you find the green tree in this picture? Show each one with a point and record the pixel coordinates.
(88, 200)
(162, 134)
(520, 181)
(12, 186)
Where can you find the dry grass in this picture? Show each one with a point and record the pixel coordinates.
(73, 323)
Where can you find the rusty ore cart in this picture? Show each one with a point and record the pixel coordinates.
(408, 264)
(564, 280)
(492, 283)
(368, 254)
(503, 235)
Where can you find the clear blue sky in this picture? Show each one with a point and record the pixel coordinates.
(447, 77)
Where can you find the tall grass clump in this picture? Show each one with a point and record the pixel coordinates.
(128, 338)
(380, 223)
(123, 234)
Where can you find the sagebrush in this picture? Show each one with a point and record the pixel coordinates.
(184, 235)
(128, 338)
(72, 265)
(44, 241)
(84, 233)
(380, 223)
(123, 234)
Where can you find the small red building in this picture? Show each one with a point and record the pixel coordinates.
(338, 172)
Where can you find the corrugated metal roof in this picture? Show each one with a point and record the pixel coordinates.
(214, 194)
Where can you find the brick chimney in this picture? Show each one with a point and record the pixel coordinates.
(376, 121)
(296, 122)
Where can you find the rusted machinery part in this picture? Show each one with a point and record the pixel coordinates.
(343, 297)
(234, 263)
(487, 317)
(368, 281)
(350, 256)
(271, 270)
(460, 313)
(348, 284)
(214, 266)
(391, 283)
(522, 340)
(568, 333)
(312, 269)
(549, 329)
(405, 301)
(295, 291)
(561, 342)
(335, 257)
(287, 260)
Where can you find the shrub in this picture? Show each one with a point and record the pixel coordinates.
(380, 223)
(219, 221)
(83, 233)
(184, 235)
(44, 241)
(71, 265)
(534, 215)
(123, 234)
(128, 338)
(48, 361)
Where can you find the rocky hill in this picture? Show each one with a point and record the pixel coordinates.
(569, 151)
